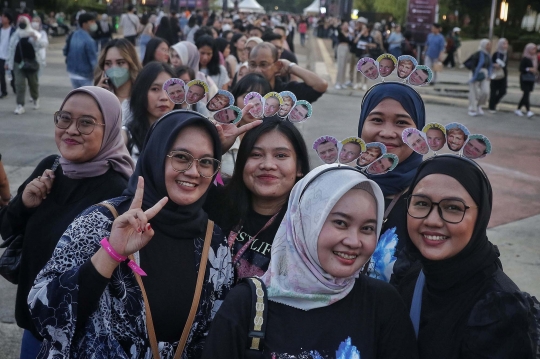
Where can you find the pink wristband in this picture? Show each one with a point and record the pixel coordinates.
(119, 258)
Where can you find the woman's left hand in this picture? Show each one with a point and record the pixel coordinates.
(228, 132)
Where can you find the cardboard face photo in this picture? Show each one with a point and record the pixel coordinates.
(373, 151)
(327, 148)
(387, 64)
(383, 165)
(436, 135)
(477, 146)
(456, 135)
(289, 100)
(351, 147)
(221, 100)
(258, 104)
(196, 90)
(231, 114)
(301, 111)
(368, 67)
(421, 76)
(175, 89)
(405, 66)
(416, 140)
(272, 103)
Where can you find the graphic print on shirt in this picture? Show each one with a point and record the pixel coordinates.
(345, 351)
(382, 261)
(254, 262)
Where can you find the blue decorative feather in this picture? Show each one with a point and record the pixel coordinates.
(383, 259)
(347, 351)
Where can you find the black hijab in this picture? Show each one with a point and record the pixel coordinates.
(183, 222)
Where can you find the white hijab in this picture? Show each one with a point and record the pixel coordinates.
(295, 276)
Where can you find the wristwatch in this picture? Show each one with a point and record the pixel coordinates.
(292, 64)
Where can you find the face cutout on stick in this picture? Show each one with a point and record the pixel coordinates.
(176, 90)
(272, 103)
(230, 114)
(374, 150)
(416, 140)
(196, 90)
(351, 148)
(301, 111)
(387, 64)
(383, 165)
(477, 146)
(456, 136)
(327, 148)
(222, 99)
(436, 135)
(368, 67)
(257, 100)
(421, 76)
(405, 66)
(289, 100)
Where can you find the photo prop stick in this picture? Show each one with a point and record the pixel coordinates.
(257, 100)
(196, 91)
(176, 90)
(421, 76)
(326, 148)
(351, 148)
(477, 146)
(406, 65)
(456, 136)
(272, 103)
(221, 100)
(416, 140)
(230, 114)
(374, 151)
(436, 135)
(387, 64)
(383, 165)
(289, 100)
(368, 67)
(301, 111)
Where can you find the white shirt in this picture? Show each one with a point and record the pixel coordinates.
(4, 43)
(129, 23)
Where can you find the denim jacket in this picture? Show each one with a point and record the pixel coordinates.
(82, 56)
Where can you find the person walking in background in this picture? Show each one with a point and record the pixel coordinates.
(452, 44)
(5, 34)
(499, 77)
(104, 31)
(528, 70)
(129, 22)
(146, 35)
(81, 52)
(394, 41)
(481, 67)
(344, 42)
(434, 48)
(302, 30)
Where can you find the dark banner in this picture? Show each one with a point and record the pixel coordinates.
(116, 7)
(420, 17)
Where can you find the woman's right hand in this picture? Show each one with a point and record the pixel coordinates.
(104, 82)
(37, 190)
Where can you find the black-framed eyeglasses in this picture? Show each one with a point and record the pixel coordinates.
(182, 161)
(451, 210)
(85, 124)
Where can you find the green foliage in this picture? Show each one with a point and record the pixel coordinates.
(70, 6)
(364, 5)
(398, 8)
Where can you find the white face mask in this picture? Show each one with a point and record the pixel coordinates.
(35, 25)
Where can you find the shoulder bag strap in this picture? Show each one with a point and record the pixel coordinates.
(110, 207)
(258, 318)
(392, 204)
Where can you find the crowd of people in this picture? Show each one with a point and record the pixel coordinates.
(158, 232)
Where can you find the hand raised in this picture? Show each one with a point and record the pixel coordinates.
(37, 190)
(131, 231)
(228, 132)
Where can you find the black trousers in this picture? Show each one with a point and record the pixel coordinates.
(3, 87)
(131, 39)
(450, 59)
(497, 92)
(525, 100)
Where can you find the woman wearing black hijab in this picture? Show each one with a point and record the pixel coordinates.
(97, 303)
(462, 303)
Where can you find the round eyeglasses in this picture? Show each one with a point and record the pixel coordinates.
(451, 210)
(182, 161)
(85, 124)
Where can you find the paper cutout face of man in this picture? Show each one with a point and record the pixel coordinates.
(299, 113)
(271, 106)
(288, 104)
(405, 67)
(349, 152)
(417, 142)
(370, 155)
(369, 69)
(436, 138)
(176, 92)
(419, 77)
(218, 102)
(257, 100)
(195, 93)
(455, 138)
(328, 152)
(386, 66)
(381, 166)
(227, 115)
(475, 148)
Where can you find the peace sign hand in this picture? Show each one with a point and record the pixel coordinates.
(228, 132)
(131, 231)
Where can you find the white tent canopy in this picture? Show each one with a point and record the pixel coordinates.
(250, 6)
(313, 8)
(218, 4)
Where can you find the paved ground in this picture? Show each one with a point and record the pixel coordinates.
(513, 168)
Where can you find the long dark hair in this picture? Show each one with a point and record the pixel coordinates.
(234, 40)
(151, 48)
(138, 103)
(165, 31)
(213, 65)
(249, 83)
(237, 193)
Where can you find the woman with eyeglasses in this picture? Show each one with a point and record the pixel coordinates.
(157, 49)
(319, 306)
(148, 282)
(461, 302)
(93, 165)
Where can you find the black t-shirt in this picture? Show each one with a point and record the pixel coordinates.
(300, 89)
(371, 322)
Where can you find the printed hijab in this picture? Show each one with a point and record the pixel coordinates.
(295, 276)
(113, 153)
(400, 178)
(183, 222)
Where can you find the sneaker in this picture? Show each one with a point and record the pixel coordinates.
(338, 87)
(530, 114)
(19, 110)
(356, 86)
(472, 114)
(519, 113)
(364, 87)
(347, 84)
(492, 111)
(36, 103)
(480, 111)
